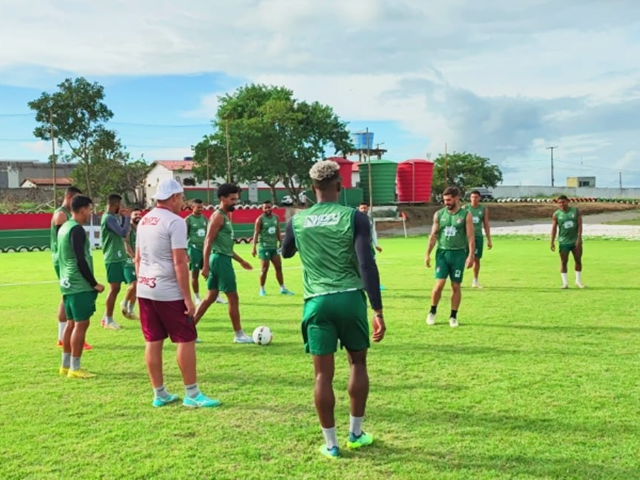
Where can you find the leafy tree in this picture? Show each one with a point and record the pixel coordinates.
(77, 114)
(465, 171)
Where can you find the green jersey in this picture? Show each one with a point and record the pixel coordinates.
(477, 215)
(223, 244)
(133, 233)
(113, 247)
(54, 235)
(268, 238)
(196, 230)
(452, 231)
(568, 225)
(324, 236)
(71, 280)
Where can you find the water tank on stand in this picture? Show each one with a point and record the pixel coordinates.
(346, 170)
(362, 140)
(415, 177)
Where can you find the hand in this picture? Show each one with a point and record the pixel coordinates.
(125, 212)
(553, 247)
(190, 307)
(99, 288)
(379, 249)
(246, 265)
(253, 252)
(471, 260)
(379, 328)
(205, 271)
(427, 261)
(489, 244)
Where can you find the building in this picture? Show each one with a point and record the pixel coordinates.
(46, 183)
(580, 182)
(14, 172)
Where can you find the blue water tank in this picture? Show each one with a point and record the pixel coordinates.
(360, 140)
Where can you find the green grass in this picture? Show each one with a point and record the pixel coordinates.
(537, 382)
(633, 221)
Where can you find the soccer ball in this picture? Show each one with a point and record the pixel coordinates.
(262, 336)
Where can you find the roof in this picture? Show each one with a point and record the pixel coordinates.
(48, 182)
(176, 164)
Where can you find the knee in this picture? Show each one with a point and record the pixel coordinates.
(455, 287)
(265, 270)
(115, 287)
(323, 378)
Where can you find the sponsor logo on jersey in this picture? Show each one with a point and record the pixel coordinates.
(324, 220)
(153, 221)
(148, 281)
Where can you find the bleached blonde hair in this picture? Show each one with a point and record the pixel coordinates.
(324, 170)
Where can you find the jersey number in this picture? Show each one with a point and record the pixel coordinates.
(450, 231)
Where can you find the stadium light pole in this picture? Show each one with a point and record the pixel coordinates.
(208, 179)
(552, 178)
(370, 178)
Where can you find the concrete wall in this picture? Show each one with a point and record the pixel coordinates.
(35, 195)
(13, 173)
(515, 191)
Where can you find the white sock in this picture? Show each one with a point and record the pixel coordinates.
(239, 333)
(578, 277)
(130, 307)
(565, 280)
(197, 295)
(283, 288)
(355, 425)
(262, 289)
(108, 319)
(61, 327)
(330, 437)
(475, 280)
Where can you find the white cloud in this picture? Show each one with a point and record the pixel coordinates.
(40, 147)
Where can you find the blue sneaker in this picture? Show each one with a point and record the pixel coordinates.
(201, 401)
(284, 291)
(382, 288)
(330, 453)
(263, 293)
(162, 401)
(363, 440)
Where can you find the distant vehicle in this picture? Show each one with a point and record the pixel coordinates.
(485, 194)
(287, 200)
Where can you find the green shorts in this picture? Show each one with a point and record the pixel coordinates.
(56, 267)
(222, 277)
(450, 264)
(196, 258)
(129, 273)
(267, 254)
(479, 246)
(328, 319)
(567, 247)
(115, 272)
(79, 307)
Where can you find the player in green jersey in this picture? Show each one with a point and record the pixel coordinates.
(480, 217)
(129, 302)
(113, 231)
(334, 244)
(453, 232)
(567, 221)
(364, 208)
(60, 216)
(78, 285)
(218, 257)
(266, 243)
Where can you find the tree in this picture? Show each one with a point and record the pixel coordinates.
(275, 138)
(465, 171)
(77, 115)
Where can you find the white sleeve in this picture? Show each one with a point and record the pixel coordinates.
(178, 234)
(374, 234)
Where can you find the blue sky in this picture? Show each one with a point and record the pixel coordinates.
(504, 81)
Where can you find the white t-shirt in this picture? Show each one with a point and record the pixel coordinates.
(159, 233)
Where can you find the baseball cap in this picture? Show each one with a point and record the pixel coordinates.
(167, 188)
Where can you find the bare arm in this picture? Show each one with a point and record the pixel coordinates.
(127, 245)
(433, 237)
(181, 267)
(554, 230)
(214, 227)
(487, 226)
(471, 238)
(137, 261)
(579, 240)
(278, 233)
(256, 232)
(58, 219)
(374, 234)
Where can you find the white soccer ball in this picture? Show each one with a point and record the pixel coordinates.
(262, 336)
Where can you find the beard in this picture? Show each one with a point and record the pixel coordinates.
(231, 208)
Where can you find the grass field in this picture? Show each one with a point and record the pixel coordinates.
(633, 221)
(536, 383)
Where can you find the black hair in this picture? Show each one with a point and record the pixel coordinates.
(364, 204)
(80, 201)
(113, 198)
(227, 189)
(73, 191)
(451, 191)
(563, 197)
(198, 201)
(136, 209)
(475, 192)
(267, 202)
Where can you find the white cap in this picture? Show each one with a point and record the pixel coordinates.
(167, 188)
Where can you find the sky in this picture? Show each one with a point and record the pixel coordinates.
(504, 79)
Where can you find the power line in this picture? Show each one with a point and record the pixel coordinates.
(17, 114)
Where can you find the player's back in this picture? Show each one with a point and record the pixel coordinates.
(324, 236)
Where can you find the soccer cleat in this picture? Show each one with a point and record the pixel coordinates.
(124, 310)
(110, 325)
(580, 285)
(363, 440)
(64, 371)
(263, 293)
(332, 453)
(382, 288)
(244, 338)
(565, 287)
(162, 401)
(82, 373)
(476, 285)
(201, 401)
(431, 319)
(132, 316)
(453, 322)
(286, 292)
(221, 300)
(59, 343)
(87, 347)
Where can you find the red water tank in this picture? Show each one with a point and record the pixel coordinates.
(414, 181)
(346, 170)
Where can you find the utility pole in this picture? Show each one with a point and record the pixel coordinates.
(53, 159)
(620, 179)
(208, 178)
(446, 159)
(228, 154)
(552, 179)
(370, 178)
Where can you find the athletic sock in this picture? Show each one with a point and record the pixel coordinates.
(330, 437)
(565, 280)
(66, 360)
(61, 327)
(283, 288)
(192, 391)
(355, 425)
(108, 319)
(578, 277)
(161, 392)
(75, 363)
(475, 280)
(454, 314)
(262, 289)
(433, 310)
(130, 307)
(239, 333)
(197, 296)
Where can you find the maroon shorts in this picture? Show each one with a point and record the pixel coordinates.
(160, 320)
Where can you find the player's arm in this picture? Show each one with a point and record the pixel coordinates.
(58, 220)
(579, 239)
(554, 231)
(212, 232)
(289, 241)
(119, 229)
(136, 261)
(433, 238)
(127, 245)
(256, 232)
(78, 238)
(178, 238)
(369, 271)
(278, 233)
(186, 221)
(487, 228)
(374, 236)
(471, 238)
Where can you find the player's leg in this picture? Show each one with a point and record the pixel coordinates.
(325, 401)
(564, 259)
(358, 394)
(195, 266)
(208, 300)
(195, 284)
(66, 339)
(227, 284)
(457, 260)
(478, 258)
(264, 270)
(115, 278)
(129, 300)
(62, 322)
(577, 258)
(82, 306)
(276, 259)
(436, 294)
(456, 298)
